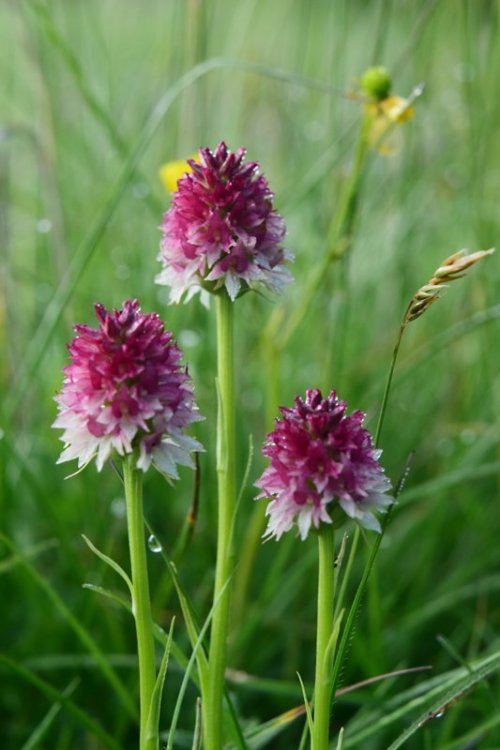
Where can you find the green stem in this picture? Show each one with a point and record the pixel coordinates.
(322, 684)
(339, 657)
(212, 708)
(343, 220)
(339, 236)
(141, 604)
(347, 572)
(388, 384)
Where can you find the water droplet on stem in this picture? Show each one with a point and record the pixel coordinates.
(153, 544)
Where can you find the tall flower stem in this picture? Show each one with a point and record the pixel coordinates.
(325, 619)
(140, 595)
(212, 712)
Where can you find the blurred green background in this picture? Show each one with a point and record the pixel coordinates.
(95, 96)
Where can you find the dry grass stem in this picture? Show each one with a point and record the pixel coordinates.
(451, 268)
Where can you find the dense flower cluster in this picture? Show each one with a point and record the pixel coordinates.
(125, 389)
(222, 230)
(321, 459)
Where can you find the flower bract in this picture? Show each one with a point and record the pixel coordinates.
(322, 462)
(222, 231)
(126, 390)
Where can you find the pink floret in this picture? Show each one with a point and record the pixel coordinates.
(321, 459)
(126, 390)
(222, 230)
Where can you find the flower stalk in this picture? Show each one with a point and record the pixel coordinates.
(141, 603)
(324, 630)
(212, 713)
(451, 269)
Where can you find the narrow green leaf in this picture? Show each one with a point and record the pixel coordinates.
(198, 734)
(153, 722)
(113, 595)
(334, 636)
(193, 629)
(246, 473)
(306, 705)
(112, 564)
(187, 609)
(185, 679)
(260, 736)
(159, 633)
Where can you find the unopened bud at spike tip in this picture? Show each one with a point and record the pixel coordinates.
(376, 82)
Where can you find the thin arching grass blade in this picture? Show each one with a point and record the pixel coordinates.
(430, 699)
(82, 634)
(109, 561)
(454, 692)
(56, 696)
(43, 727)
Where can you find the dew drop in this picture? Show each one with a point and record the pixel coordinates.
(118, 508)
(188, 338)
(122, 272)
(140, 190)
(153, 544)
(43, 226)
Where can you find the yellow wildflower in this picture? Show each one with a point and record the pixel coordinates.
(385, 114)
(172, 171)
(384, 109)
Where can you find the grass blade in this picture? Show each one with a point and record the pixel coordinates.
(152, 727)
(449, 696)
(39, 732)
(56, 696)
(82, 634)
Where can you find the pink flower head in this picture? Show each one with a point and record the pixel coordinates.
(125, 389)
(222, 230)
(321, 459)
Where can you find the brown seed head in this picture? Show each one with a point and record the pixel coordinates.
(450, 269)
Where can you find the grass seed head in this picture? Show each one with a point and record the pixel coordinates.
(451, 268)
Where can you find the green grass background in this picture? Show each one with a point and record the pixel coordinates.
(80, 206)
